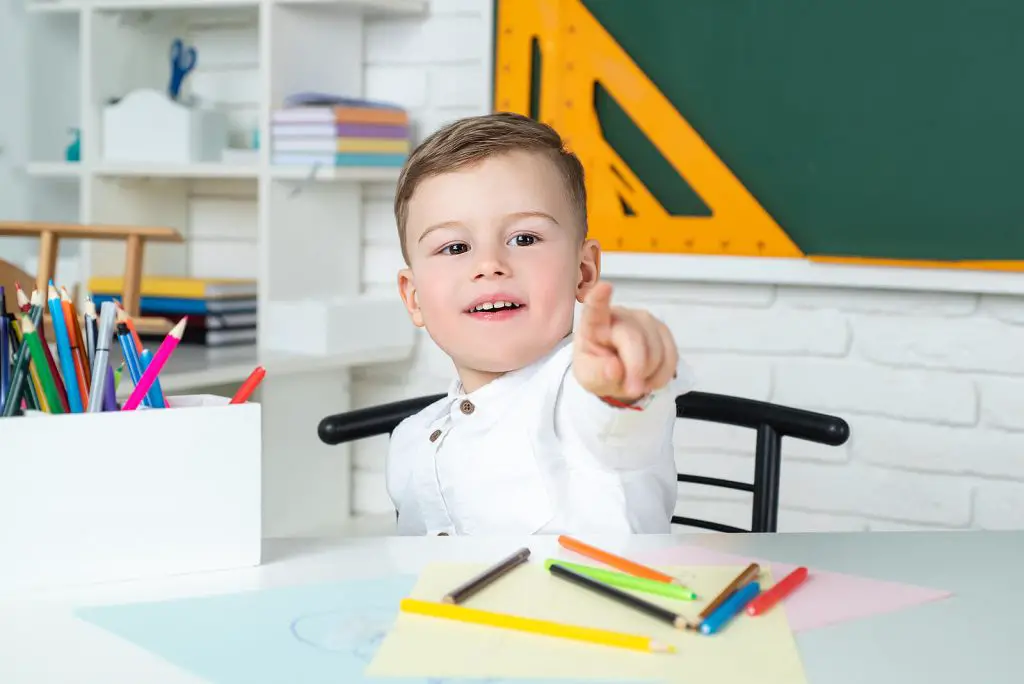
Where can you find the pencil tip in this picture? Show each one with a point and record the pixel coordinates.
(179, 329)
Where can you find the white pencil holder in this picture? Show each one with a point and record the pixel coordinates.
(97, 497)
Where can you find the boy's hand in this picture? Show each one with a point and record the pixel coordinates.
(621, 353)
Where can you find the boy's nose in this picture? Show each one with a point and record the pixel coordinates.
(491, 265)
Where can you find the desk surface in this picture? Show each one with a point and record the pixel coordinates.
(969, 637)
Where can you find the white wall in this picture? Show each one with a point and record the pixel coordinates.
(932, 384)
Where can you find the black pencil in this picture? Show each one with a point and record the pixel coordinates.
(652, 609)
(472, 586)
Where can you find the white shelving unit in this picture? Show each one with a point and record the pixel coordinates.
(306, 224)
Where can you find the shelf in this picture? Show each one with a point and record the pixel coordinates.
(194, 367)
(366, 174)
(54, 169)
(202, 170)
(375, 7)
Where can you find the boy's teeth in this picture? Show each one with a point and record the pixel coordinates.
(489, 306)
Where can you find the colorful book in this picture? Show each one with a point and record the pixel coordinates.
(208, 337)
(185, 288)
(341, 114)
(339, 130)
(173, 306)
(340, 159)
(385, 145)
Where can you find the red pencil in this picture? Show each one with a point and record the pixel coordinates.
(249, 386)
(782, 589)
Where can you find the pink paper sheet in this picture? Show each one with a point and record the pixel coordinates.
(825, 598)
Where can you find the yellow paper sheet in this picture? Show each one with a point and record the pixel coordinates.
(749, 649)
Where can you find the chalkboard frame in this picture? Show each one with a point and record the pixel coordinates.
(778, 270)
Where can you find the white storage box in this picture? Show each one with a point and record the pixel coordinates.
(122, 495)
(148, 127)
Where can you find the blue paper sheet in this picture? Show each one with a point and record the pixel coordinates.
(311, 634)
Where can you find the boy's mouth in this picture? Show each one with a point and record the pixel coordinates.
(496, 309)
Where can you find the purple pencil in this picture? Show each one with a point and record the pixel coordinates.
(109, 391)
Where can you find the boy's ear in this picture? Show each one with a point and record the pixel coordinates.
(590, 268)
(407, 289)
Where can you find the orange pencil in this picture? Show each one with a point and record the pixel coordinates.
(249, 386)
(616, 562)
(123, 317)
(83, 352)
(74, 334)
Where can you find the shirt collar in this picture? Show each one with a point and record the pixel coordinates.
(490, 400)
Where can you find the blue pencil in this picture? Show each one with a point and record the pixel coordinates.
(67, 361)
(131, 357)
(155, 395)
(729, 608)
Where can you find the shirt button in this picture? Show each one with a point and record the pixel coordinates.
(467, 406)
(434, 435)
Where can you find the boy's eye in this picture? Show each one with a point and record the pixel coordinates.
(524, 240)
(455, 248)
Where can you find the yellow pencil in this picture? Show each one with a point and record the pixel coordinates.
(556, 629)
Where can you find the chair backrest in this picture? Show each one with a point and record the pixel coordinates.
(772, 422)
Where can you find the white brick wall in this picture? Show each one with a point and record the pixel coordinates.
(932, 384)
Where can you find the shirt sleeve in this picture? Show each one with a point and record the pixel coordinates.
(620, 438)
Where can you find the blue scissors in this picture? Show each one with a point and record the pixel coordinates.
(183, 61)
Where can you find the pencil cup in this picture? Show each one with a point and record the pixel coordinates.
(118, 495)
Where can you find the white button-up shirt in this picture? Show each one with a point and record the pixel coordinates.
(532, 452)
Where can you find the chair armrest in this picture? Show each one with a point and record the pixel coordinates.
(371, 421)
(749, 413)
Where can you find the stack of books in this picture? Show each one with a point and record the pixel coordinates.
(221, 312)
(351, 133)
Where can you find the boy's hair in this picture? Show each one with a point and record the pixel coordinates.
(473, 139)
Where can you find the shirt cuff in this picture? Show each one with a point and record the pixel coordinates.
(600, 422)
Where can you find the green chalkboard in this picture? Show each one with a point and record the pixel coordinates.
(873, 128)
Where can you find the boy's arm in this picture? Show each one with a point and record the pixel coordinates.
(619, 396)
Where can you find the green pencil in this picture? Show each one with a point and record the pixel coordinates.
(624, 581)
(30, 339)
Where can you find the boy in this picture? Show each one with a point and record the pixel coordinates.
(543, 431)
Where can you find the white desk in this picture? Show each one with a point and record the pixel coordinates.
(971, 637)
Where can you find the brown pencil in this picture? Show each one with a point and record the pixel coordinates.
(741, 580)
(472, 586)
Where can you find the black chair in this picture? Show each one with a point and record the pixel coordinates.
(772, 422)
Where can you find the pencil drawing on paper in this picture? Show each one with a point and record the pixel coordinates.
(356, 635)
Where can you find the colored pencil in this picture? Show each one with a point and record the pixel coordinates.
(102, 376)
(249, 386)
(89, 321)
(155, 395)
(638, 604)
(131, 357)
(64, 353)
(748, 575)
(780, 590)
(614, 561)
(110, 391)
(27, 388)
(624, 580)
(729, 608)
(35, 347)
(23, 302)
(163, 353)
(37, 305)
(123, 317)
(534, 626)
(77, 344)
(5, 358)
(35, 387)
(487, 577)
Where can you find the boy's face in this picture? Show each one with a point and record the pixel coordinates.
(502, 230)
